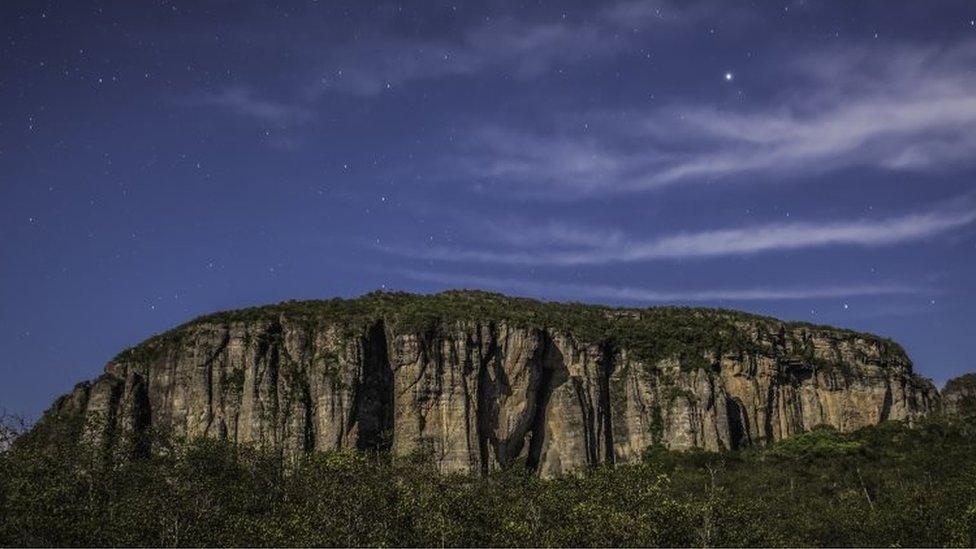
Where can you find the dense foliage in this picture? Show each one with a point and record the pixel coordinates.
(652, 333)
(885, 485)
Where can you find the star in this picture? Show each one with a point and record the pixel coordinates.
(728, 76)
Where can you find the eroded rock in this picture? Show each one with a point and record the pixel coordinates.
(482, 386)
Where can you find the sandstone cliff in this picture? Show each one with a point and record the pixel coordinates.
(484, 381)
(959, 395)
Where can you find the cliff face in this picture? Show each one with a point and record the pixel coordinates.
(959, 395)
(485, 382)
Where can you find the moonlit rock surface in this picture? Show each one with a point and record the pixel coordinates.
(480, 391)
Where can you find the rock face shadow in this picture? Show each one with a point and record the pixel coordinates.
(514, 399)
(554, 374)
(374, 393)
(739, 435)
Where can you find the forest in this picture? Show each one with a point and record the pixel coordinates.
(890, 484)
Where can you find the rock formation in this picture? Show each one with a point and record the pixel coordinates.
(959, 395)
(483, 381)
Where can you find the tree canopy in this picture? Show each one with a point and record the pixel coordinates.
(884, 485)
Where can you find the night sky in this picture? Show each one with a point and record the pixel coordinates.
(162, 160)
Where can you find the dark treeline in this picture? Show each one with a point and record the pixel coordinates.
(886, 485)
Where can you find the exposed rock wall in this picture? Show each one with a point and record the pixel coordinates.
(483, 394)
(959, 395)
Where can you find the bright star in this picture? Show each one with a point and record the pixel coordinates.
(728, 77)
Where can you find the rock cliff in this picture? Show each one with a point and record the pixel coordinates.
(959, 395)
(483, 381)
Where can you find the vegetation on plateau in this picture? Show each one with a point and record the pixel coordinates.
(887, 485)
(684, 333)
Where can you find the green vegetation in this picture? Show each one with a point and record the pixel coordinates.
(652, 334)
(888, 485)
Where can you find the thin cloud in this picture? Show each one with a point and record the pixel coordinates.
(244, 102)
(584, 250)
(649, 295)
(373, 64)
(906, 109)
(522, 49)
(519, 48)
